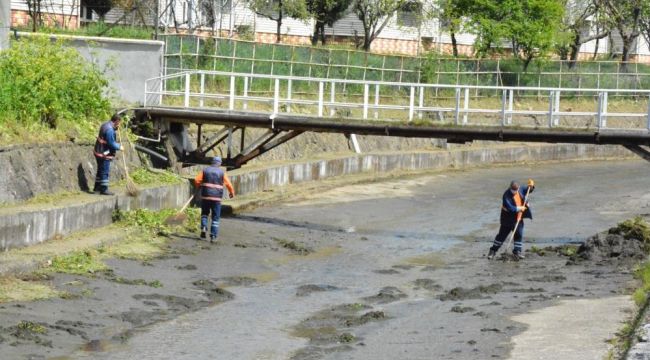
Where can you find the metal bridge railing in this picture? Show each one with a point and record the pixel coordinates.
(462, 105)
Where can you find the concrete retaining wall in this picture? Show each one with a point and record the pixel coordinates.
(23, 227)
(259, 180)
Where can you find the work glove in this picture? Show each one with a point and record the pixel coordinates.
(531, 182)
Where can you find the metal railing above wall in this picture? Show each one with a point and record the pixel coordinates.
(461, 105)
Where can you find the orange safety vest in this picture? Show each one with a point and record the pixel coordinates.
(519, 202)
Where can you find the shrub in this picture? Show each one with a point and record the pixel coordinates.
(45, 84)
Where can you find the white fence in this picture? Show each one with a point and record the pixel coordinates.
(415, 103)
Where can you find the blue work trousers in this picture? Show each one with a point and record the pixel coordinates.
(208, 206)
(103, 169)
(505, 230)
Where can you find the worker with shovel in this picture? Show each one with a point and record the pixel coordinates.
(105, 149)
(211, 181)
(514, 209)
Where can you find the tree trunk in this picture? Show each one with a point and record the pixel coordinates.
(322, 33)
(314, 37)
(575, 49)
(366, 41)
(454, 43)
(625, 56)
(278, 34)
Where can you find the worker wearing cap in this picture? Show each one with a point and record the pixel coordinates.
(211, 181)
(105, 149)
(514, 209)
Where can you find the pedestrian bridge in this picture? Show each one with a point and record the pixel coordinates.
(222, 105)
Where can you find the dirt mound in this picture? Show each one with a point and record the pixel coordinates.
(305, 290)
(627, 242)
(479, 292)
(386, 295)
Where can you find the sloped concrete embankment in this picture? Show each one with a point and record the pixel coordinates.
(25, 225)
(30, 170)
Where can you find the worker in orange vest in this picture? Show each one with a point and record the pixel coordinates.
(211, 180)
(514, 209)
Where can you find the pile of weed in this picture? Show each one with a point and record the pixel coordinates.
(152, 222)
(636, 228)
(78, 262)
(143, 176)
(49, 91)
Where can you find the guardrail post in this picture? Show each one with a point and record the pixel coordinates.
(377, 101)
(510, 98)
(411, 102)
(421, 102)
(465, 105)
(187, 90)
(551, 100)
(556, 119)
(289, 95)
(332, 98)
(245, 92)
(231, 105)
(320, 98)
(648, 124)
(276, 97)
(365, 100)
(600, 110)
(457, 111)
(504, 98)
(202, 89)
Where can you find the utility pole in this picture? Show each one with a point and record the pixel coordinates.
(156, 22)
(5, 23)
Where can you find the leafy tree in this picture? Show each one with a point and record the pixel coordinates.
(450, 15)
(374, 16)
(325, 12)
(533, 27)
(579, 17)
(277, 10)
(625, 16)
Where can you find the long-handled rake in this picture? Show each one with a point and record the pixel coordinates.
(514, 231)
(180, 216)
(131, 187)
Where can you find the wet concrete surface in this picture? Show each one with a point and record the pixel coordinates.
(395, 270)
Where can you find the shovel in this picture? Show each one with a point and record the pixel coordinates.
(514, 231)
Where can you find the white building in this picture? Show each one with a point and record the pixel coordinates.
(233, 18)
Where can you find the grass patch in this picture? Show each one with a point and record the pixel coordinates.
(12, 289)
(32, 327)
(82, 262)
(537, 250)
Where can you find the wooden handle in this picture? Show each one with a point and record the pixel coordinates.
(186, 204)
(126, 170)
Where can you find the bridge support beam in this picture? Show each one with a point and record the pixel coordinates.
(637, 149)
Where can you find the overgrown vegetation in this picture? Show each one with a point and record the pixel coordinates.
(100, 28)
(49, 92)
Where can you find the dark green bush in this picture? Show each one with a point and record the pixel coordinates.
(46, 85)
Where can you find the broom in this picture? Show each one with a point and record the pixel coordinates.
(179, 217)
(131, 188)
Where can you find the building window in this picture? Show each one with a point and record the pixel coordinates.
(410, 14)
